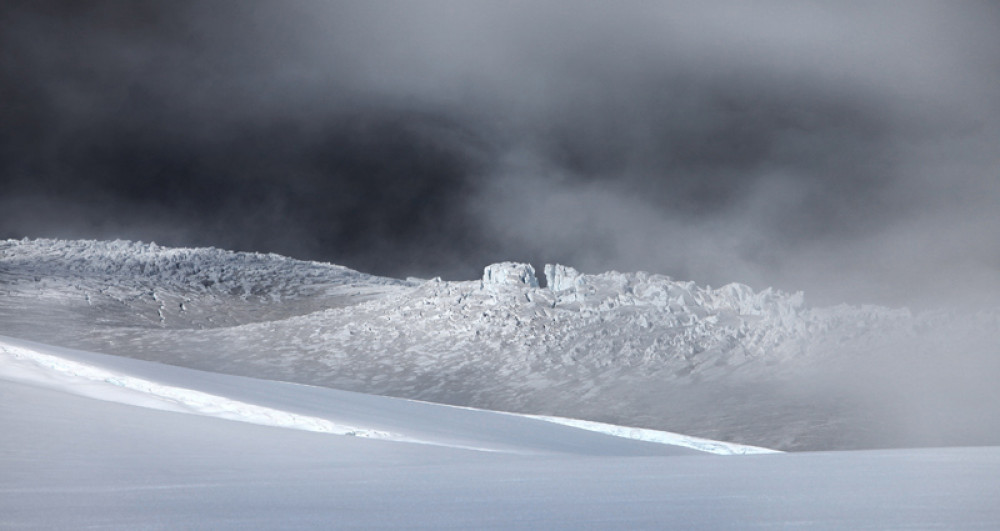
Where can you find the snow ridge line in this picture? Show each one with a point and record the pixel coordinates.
(662, 437)
(668, 438)
(34, 367)
(170, 398)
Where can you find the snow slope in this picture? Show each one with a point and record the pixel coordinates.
(322, 410)
(117, 462)
(633, 349)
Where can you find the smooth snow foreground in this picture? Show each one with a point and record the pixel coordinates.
(92, 441)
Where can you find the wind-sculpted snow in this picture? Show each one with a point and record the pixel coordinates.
(637, 349)
(132, 264)
(122, 283)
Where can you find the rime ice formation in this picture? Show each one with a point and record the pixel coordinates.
(134, 284)
(509, 274)
(633, 349)
(122, 262)
(560, 277)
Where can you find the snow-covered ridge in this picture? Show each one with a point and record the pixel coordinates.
(697, 319)
(121, 283)
(641, 288)
(760, 322)
(630, 349)
(148, 264)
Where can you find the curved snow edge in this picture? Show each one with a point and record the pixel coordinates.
(153, 395)
(628, 432)
(661, 437)
(28, 365)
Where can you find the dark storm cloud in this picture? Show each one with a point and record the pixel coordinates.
(205, 123)
(847, 149)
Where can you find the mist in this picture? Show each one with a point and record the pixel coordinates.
(846, 150)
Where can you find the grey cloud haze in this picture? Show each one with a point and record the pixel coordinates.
(846, 149)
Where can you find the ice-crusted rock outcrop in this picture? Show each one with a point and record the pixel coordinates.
(509, 274)
(560, 277)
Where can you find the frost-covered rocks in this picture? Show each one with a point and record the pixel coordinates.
(560, 277)
(509, 274)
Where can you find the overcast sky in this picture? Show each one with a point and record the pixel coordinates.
(848, 149)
